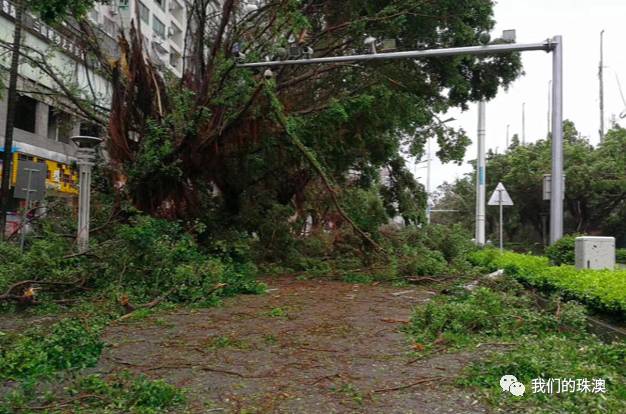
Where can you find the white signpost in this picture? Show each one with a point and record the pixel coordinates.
(500, 197)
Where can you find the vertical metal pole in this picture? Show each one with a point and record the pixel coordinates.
(23, 223)
(524, 123)
(480, 177)
(549, 107)
(601, 79)
(7, 156)
(84, 165)
(501, 221)
(556, 200)
(428, 188)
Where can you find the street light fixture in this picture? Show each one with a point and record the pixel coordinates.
(86, 154)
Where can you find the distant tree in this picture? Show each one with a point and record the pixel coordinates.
(595, 190)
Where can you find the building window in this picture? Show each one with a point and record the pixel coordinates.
(144, 13)
(94, 15)
(158, 27)
(109, 26)
(90, 130)
(60, 126)
(25, 113)
(160, 3)
(174, 60)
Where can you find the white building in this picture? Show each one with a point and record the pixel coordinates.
(162, 23)
(45, 119)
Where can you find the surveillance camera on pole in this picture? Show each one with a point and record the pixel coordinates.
(370, 43)
(250, 8)
(307, 52)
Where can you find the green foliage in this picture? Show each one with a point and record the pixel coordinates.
(153, 256)
(277, 313)
(52, 11)
(554, 356)
(220, 342)
(563, 251)
(483, 314)
(69, 345)
(433, 250)
(620, 256)
(365, 208)
(42, 261)
(121, 392)
(602, 289)
(595, 191)
(132, 394)
(532, 344)
(421, 261)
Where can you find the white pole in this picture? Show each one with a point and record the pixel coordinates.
(24, 216)
(501, 221)
(524, 123)
(601, 78)
(549, 106)
(556, 200)
(480, 177)
(84, 166)
(428, 188)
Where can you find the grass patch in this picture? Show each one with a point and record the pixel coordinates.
(120, 393)
(540, 344)
(277, 313)
(221, 342)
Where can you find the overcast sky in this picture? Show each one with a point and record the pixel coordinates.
(580, 23)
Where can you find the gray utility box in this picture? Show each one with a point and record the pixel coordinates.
(595, 253)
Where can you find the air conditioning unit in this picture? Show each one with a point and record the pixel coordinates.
(170, 31)
(172, 5)
(156, 59)
(158, 45)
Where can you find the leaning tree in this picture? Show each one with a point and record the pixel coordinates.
(310, 132)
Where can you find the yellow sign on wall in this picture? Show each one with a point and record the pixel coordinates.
(61, 178)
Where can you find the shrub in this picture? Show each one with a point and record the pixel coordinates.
(153, 256)
(563, 251)
(483, 313)
(602, 289)
(420, 261)
(620, 256)
(69, 345)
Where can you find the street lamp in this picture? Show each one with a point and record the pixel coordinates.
(86, 155)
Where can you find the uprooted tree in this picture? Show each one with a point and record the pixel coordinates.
(174, 140)
(216, 137)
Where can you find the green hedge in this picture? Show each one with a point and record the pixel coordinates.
(602, 289)
(620, 256)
